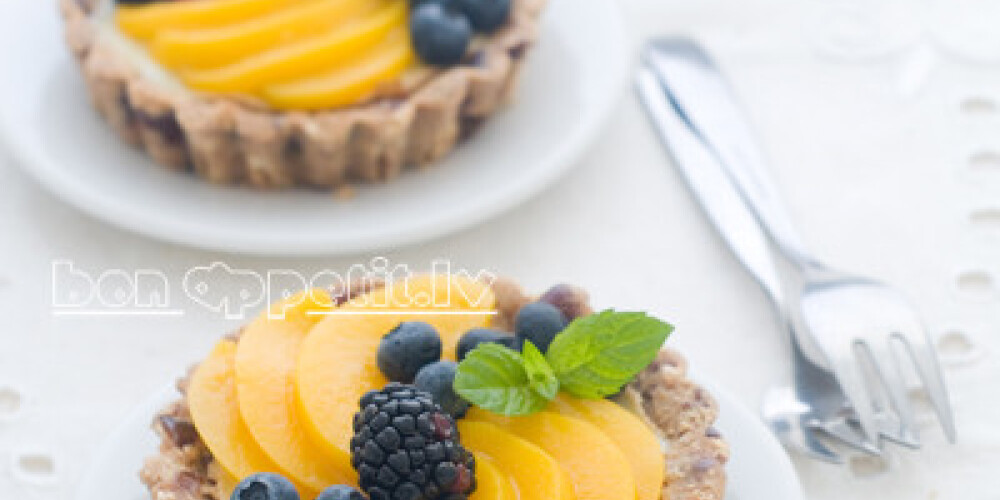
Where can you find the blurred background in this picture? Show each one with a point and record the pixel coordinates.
(881, 120)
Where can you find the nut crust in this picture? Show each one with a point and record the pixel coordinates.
(683, 413)
(680, 411)
(227, 141)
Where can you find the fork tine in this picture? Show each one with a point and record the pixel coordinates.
(885, 422)
(889, 426)
(852, 381)
(791, 423)
(817, 449)
(844, 432)
(901, 425)
(925, 360)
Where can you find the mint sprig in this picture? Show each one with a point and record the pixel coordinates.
(494, 377)
(598, 354)
(594, 357)
(540, 375)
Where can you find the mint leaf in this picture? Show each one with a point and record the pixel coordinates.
(540, 375)
(494, 378)
(592, 358)
(598, 354)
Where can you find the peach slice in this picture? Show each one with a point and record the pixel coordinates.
(211, 396)
(303, 59)
(265, 383)
(337, 363)
(212, 47)
(597, 468)
(491, 484)
(637, 441)
(144, 21)
(224, 482)
(534, 474)
(352, 82)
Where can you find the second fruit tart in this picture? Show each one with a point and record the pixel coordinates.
(280, 93)
(318, 404)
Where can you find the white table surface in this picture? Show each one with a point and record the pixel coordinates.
(862, 113)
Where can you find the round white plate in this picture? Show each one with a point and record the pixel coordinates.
(571, 83)
(758, 470)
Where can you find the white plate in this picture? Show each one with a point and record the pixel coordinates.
(571, 84)
(759, 468)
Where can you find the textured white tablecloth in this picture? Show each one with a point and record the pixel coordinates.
(871, 113)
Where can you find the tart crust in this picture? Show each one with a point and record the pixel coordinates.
(229, 141)
(680, 411)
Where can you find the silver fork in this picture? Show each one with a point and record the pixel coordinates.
(866, 333)
(814, 404)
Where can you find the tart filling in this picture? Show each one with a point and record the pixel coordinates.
(656, 443)
(313, 54)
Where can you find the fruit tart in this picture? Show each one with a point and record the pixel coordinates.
(280, 93)
(484, 393)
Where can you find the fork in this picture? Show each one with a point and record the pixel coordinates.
(865, 332)
(814, 405)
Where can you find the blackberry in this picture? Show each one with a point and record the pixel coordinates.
(405, 447)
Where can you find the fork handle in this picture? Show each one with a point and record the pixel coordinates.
(732, 218)
(707, 181)
(726, 209)
(702, 97)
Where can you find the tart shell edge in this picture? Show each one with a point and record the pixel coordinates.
(226, 141)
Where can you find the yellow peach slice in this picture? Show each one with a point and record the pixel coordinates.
(491, 484)
(576, 445)
(265, 383)
(337, 363)
(211, 396)
(144, 21)
(213, 47)
(534, 474)
(303, 59)
(636, 440)
(352, 82)
(224, 482)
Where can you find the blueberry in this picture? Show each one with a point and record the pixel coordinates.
(485, 15)
(477, 336)
(437, 379)
(408, 348)
(570, 300)
(265, 486)
(441, 35)
(539, 322)
(340, 492)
